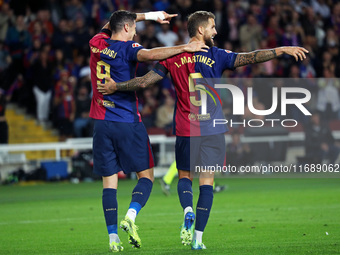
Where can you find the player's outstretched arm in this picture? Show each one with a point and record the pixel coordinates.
(160, 17)
(260, 56)
(161, 53)
(111, 86)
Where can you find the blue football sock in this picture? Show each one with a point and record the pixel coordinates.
(140, 194)
(204, 204)
(110, 207)
(184, 189)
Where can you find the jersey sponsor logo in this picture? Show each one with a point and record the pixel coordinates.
(203, 117)
(109, 104)
(135, 45)
(106, 103)
(228, 51)
(199, 117)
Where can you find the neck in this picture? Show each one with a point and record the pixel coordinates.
(196, 39)
(120, 37)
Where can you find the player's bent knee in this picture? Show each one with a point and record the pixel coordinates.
(148, 173)
(110, 182)
(184, 174)
(206, 181)
(206, 178)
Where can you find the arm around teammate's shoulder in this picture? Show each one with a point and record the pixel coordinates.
(110, 86)
(161, 53)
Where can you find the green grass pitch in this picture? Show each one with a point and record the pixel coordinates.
(253, 216)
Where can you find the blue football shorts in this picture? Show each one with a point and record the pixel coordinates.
(120, 146)
(200, 151)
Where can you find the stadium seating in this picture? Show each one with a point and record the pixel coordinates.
(22, 129)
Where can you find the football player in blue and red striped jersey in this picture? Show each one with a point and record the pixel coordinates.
(120, 140)
(198, 141)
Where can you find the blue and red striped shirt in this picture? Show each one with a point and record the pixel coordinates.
(118, 60)
(197, 101)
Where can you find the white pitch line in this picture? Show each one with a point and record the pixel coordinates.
(45, 221)
(228, 211)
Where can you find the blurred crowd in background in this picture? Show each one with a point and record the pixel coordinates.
(44, 53)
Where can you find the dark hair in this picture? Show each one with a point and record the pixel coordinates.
(119, 18)
(199, 18)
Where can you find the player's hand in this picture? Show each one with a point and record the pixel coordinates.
(296, 52)
(196, 46)
(167, 18)
(109, 87)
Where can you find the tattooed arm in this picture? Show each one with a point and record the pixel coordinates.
(260, 56)
(145, 81)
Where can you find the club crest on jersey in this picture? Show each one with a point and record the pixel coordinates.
(192, 116)
(135, 45)
(99, 102)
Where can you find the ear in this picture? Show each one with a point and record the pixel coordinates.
(201, 30)
(126, 27)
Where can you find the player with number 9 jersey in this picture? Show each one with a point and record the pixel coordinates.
(120, 140)
(116, 59)
(200, 146)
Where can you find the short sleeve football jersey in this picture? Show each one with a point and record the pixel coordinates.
(197, 101)
(118, 60)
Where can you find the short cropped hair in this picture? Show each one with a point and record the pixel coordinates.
(119, 18)
(197, 19)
